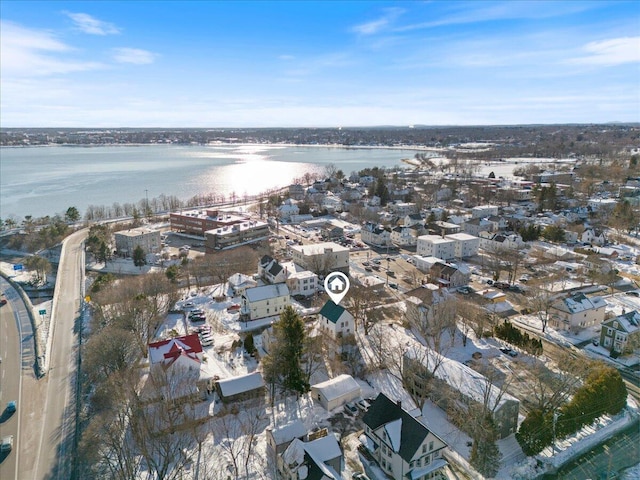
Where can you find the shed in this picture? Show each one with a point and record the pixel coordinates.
(240, 388)
(336, 392)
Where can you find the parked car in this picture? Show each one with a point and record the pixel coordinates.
(350, 408)
(7, 443)
(465, 290)
(359, 476)
(509, 351)
(516, 288)
(363, 405)
(233, 308)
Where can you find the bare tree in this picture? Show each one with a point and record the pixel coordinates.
(539, 302)
(551, 388)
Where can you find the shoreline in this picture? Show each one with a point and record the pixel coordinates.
(221, 144)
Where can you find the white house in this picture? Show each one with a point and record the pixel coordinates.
(316, 459)
(593, 236)
(482, 211)
(239, 282)
(413, 219)
(321, 258)
(436, 246)
(402, 445)
(335, 392)
(403, 208)
(424, 264)
(376, 235)
(299, 280)
(494, 241)
(405, 236)
(287, 209)
(577, 312)
(271, 270)
(336, 320)
(474, 226)
(265, 301)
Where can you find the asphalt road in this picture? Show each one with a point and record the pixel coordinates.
(9, 382)
(56, 447)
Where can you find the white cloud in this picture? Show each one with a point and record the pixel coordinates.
(91, 25)
(286, 57)
(615, 51)
(133, 55)
(27, 52)
(474, 12)
(376, 26)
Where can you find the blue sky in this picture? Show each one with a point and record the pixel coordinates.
(331, 63)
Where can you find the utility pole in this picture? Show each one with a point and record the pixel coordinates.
(555, 419)
(146, 208)
(610, 453)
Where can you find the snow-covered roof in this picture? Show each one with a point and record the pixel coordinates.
(323, 448)
(244, 383)
(393, 430)
(319, 248)
(629, 322)
(257, 294)
(337, 387)
(288, 432)
(238, 279)
(457, 375)
(173, 347)
(435, 239)
(579, 303)
(462, 237)
(317, 452)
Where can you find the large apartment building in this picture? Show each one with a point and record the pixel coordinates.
(321, 258)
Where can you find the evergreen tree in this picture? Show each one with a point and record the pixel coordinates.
(139, 257)
(249, 344)
(485, 455)
(283, 365)
(72, 215)
(535, 432)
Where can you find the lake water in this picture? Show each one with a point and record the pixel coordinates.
(41, 181)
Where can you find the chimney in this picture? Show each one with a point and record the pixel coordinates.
(399, 403)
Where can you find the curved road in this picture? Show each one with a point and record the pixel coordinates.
(54, 452)
(18, 382)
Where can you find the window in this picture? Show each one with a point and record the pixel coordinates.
(609, 331)
(424, 449)
(431, 445)
(419, 462)
(411, 464)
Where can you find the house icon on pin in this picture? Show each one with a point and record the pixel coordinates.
(336, 284)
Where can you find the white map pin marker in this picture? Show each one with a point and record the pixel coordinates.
(336, 284)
